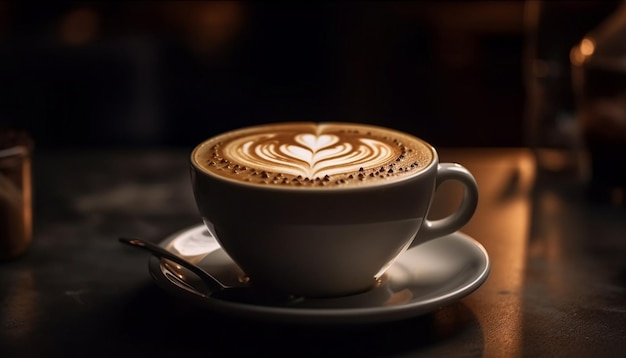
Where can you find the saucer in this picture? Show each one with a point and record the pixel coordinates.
(421, 280)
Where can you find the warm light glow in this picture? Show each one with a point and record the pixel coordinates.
(79, 27)
(587, 46)
(208, 26)
(580, 53)
(27, 199)
(504, 212)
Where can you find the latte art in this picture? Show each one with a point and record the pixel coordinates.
(309, 154)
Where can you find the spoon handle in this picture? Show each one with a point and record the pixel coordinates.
(212, 283)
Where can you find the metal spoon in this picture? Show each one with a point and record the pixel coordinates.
(216, 289)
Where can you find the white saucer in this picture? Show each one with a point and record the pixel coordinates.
(423, 279)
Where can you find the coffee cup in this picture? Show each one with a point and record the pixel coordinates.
(322, 209)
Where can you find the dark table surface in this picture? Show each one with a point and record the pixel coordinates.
(557, 285)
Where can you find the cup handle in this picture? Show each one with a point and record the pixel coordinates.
(432, 229)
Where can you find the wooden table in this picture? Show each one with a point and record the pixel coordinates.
(557, 285)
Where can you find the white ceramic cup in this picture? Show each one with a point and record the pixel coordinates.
(322, 242)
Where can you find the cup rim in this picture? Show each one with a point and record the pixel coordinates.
(323, 189)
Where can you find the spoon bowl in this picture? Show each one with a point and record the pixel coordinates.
(213, 287)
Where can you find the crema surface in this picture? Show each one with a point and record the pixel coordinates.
(312, 154)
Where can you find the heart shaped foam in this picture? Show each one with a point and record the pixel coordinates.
(310, 155)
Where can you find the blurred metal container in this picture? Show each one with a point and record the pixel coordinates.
(15, 193)
(599, 74)
(553, 130)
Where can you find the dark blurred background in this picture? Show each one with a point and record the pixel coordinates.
(134, 74)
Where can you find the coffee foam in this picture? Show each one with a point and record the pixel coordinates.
(309, 154)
